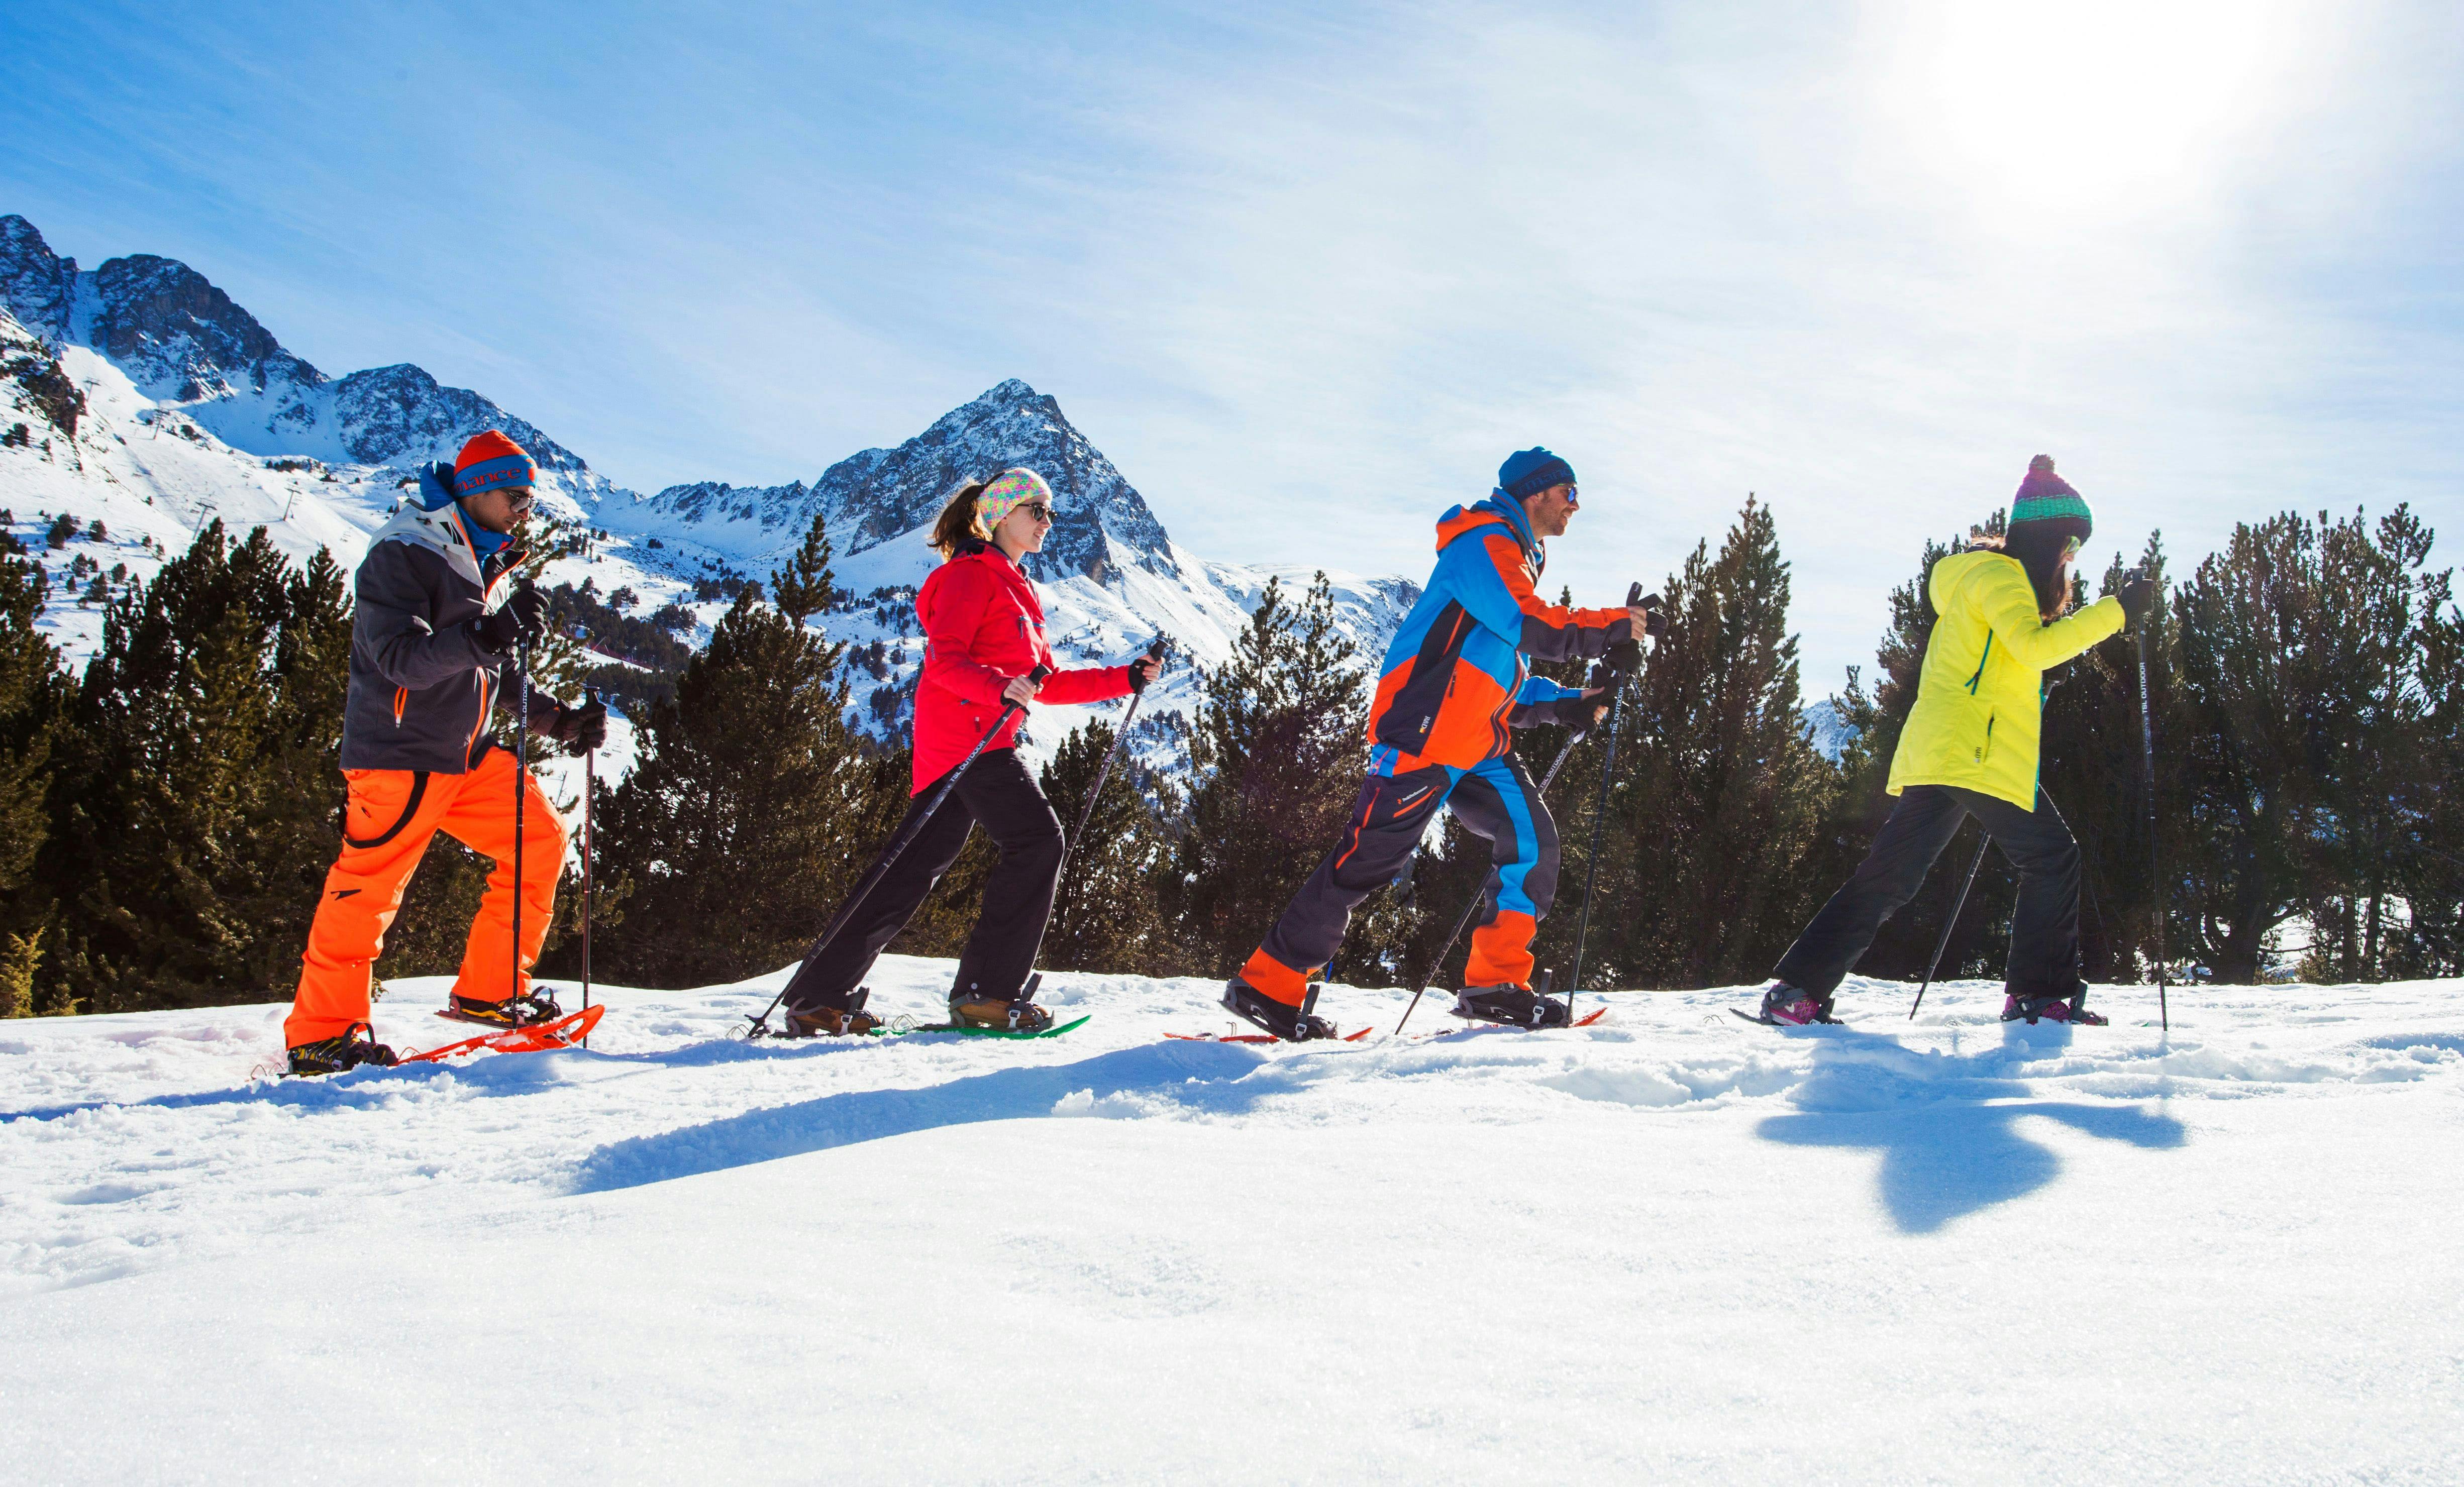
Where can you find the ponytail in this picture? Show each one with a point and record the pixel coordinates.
(959, 523)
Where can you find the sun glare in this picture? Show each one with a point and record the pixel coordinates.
(2091, 103)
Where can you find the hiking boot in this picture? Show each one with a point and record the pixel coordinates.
(975, 1007)
(346, 1050)
(523, 1011)
(1514, 1006)
(833, 1021)
(2052, 1008)
(1292, 1024)
(1788, 1006)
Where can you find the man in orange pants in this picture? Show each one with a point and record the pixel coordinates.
(436, 621)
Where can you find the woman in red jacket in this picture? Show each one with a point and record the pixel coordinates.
(983, 632)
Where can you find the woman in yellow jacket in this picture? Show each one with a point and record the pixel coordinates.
(1969, 749)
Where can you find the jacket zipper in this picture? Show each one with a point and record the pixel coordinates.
(1986, 752)
(473, 741)
(401, 695)
(1980, 664)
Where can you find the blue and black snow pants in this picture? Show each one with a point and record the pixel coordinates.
(1494, 799)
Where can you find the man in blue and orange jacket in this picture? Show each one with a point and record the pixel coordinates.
(1456, 678)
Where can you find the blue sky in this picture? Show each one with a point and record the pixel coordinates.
(1306, 274)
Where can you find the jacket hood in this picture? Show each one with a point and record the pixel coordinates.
(439, 530)
(1495, 510)
(436, 487)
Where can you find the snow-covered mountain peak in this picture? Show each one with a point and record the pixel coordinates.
(180, 337)
(186, 345)
(37, 286)
(877, 496)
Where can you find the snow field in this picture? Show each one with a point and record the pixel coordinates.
(1672, 1245)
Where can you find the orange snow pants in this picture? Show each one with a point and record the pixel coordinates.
(385, 827)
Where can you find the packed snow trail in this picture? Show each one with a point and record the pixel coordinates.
(1671, 1244)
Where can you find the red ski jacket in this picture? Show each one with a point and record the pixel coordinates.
(983, 628)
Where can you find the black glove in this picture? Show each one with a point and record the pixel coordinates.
(1137, 674)
(1624, 657)
(585, 727)
(1578, 713)
(2138, 596)
(522, 617)
(1654, 623)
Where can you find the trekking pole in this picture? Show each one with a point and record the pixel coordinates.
(521, 795)
(589, 788)
(1480, 895)
(2155, 866)
(1154, 652)
(889, 854)
(1952, 923)
(1599, 815)
(1104, 771)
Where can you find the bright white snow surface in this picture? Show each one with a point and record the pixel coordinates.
(1672, 1246)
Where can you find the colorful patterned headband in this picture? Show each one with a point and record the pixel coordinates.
(1009, 491)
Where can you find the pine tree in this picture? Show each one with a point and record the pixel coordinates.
(2256, 679)
(1278, 755)
(753, 806)
(34, 694)
(201, 802)
(1715, 813)
(2092, 771)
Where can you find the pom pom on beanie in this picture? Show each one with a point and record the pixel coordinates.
(2045, 496)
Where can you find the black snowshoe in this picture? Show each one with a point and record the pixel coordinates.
(345, 1050)
(523, 1011)
(833, 1021)
(2052, 1008)
(1512, 1006)
(1292, 1024)
(1019, 1013)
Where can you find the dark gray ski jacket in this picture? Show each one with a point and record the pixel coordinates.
(422, 681)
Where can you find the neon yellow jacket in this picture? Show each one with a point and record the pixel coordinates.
(1980, 698)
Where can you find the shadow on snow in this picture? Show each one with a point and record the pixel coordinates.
(1944, 1122)
(1202, 1077)
(482, 1075)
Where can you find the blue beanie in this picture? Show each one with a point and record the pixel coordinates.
(1527, 472)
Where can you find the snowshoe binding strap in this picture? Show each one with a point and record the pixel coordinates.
(346, 1050)
(1788, 1006)
(1511, 1006)
(2050, 1008)
(850, 1020)
(1019, 1013)
(522, 1011)
(1284, 1021)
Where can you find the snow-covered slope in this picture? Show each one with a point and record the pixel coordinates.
(194, 409)
(1669, 1247)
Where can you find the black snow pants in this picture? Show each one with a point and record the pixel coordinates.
(998, 792)
(2044, 958)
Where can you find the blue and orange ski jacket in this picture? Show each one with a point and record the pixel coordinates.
(1457, 673)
